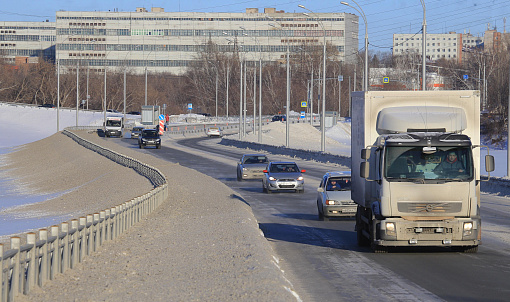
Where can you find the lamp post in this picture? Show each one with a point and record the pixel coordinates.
(260, 93)
(424, 49)
(323, 114)
(77, 91)
(362, 13)
(288, 86)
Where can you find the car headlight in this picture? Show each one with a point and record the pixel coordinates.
(300, 178)
(272, 178)
(468, 228)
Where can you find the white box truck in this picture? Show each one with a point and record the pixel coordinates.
(114, 126)
(416, 168)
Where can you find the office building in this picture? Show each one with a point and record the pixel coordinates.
(162, 41)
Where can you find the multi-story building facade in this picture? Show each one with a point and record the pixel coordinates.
(169, 41)
(439, 46)
(27, 39)
(472, 42)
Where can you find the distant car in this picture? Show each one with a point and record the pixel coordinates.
(283, 176)
(47, 105)
(214, 131)
(334, 196)
(136, 132)
(251, 166)
(149, 137)
(112, 110)
(134, 112)
(279, 118)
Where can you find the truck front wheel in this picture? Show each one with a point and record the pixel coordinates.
(360, 226)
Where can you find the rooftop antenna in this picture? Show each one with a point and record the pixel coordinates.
(504, 25)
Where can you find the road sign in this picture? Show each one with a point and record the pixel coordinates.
(161, 117)
(190, 106)
(385, 80)
(465, 77)
(302, 114)
(340, 78)
(304, 104)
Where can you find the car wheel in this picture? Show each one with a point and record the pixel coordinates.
(158, 146)
(142, 146)
(268, 191)
(321, 217)
(301, 191)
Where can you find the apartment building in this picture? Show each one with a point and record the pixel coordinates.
(447, 46)
(162, 41)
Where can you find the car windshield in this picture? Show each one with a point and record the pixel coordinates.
(152, 133)
(284, 168)
(420, 164)
(255, 160)
(339, 184)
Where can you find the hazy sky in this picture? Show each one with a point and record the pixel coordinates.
(384, 17)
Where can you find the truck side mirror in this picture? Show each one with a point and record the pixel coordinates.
(489, 163)
(365, 153)
(364, 170)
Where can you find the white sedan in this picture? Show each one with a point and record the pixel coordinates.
(214, 131)
(334, 196)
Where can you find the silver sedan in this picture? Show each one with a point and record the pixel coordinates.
(283, 176)
(334, 196)
(251, 166)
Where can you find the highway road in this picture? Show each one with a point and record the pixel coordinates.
(322, 259)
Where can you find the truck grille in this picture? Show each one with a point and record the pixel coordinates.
(430, 207)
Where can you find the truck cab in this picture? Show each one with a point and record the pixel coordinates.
(114, 126)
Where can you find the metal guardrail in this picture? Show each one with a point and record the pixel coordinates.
(62, 247)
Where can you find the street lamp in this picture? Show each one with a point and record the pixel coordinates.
(288, 85)
(362, 13)
(260, 93)
(424, 49)
(323, 117)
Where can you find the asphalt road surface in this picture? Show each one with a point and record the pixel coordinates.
(322, 258)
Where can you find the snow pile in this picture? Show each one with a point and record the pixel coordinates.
(302, 136)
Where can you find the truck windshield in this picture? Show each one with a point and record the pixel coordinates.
(113, 123)
(412, 164)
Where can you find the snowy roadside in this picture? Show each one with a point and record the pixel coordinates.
(176, 253)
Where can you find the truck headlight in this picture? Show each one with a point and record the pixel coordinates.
(468, 228)
(390, 228)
